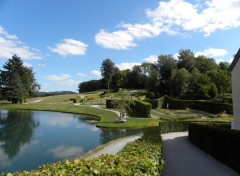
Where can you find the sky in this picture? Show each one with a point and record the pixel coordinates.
(66, 41)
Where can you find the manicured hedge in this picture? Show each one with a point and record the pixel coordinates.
(174, 125)
(143, 108)
(209, 106)
(157, 103)
(218, 141)
(140, 158)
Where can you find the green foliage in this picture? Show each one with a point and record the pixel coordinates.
(151, 95)
(218, 141)
(107, 71)
(208, 106)
(142, 157)
(17, 81)
(143, 109)
(124, 101)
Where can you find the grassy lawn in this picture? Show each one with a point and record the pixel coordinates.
(61, 103)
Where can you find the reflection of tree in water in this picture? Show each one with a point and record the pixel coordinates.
(109, 135)
(16, 128)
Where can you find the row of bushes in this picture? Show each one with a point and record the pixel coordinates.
(142, 157)
(219, 141)
(209, 106)
(142, 108)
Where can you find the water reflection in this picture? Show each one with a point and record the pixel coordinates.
(16, 129)
(29, 139)
(108, 135)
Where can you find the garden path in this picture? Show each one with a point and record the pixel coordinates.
(184, 159)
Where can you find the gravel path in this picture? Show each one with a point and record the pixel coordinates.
(184, 159)
(115, 146)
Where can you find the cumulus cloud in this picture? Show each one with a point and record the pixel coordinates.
(96, 72)
(27, 64)
(10, 45)
(125, 65)
(58, 77)
(212, 52)
(70, 47)
(174, 17)
(151, 59)
(81, 74)
(207, 17)
(62, 79)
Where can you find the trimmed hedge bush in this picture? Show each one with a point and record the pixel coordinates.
(219, 141)
(209, 106)
(157, 103)
(142, 157)
(143, 108)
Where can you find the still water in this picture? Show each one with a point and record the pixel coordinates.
(29, 139)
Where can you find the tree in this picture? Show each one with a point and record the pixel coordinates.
(17, 81)
(123, 102)
(181, 82)
(166, 64)
(107, 71)
(186, 59)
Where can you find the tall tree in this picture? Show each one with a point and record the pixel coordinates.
(17, 81)
(107, 71)
(166, 64)
(186, 59)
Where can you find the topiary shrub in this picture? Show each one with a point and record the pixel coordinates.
(143, 108)
(151, 95)
(219, 141)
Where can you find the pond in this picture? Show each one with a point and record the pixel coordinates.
(29, 139)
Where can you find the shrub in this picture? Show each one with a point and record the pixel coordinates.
(143, 108)
(209, 106)
(219, 141)
(151, 95)
(153, 102)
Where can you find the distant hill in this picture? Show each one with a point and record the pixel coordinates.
(44, 94)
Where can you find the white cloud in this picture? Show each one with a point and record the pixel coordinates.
(27, 64)
(174, 17)
(208, 17)
(81, 74)
(125, 66)
(10, 45)
(96, 72)
(151, 59)
(115, 40)
(212, 52)
(62, 79)
(58, 77)
(70, 47)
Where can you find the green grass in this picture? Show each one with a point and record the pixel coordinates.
(61, 103)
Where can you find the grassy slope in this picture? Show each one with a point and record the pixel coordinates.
(61, 104)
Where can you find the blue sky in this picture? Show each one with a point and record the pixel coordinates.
(65, 41)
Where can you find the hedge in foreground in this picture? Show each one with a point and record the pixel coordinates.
(142, 157)
(218, 141)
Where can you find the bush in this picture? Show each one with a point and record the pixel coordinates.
(219, 141)
(151, 95)
(134, 159)
(209, 106)
(172, 126)
(143, 108)
(153, 102)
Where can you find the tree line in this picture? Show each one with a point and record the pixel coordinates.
(187, 76)
(17, 81)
